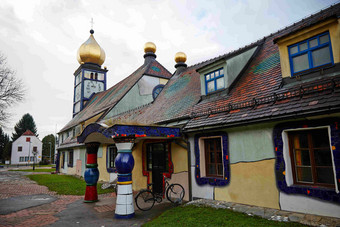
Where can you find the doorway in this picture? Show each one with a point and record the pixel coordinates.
(157, 160)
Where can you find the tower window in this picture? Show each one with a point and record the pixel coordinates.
(96, 76)
(92, 76)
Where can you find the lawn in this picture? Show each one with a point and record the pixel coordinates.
(65, 184)
(37, 170)
(207, 216)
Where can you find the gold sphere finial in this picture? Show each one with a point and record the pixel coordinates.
(180, 57)
(149, 47)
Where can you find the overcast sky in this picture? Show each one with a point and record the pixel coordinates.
(41, 38)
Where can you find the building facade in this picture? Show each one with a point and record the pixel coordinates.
(256, 126)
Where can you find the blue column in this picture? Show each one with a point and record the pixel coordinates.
(124, 163)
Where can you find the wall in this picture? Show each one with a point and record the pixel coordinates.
(26, 149)
(101, 159)
(138, 180)
(332, 25)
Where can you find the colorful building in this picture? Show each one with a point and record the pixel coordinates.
(256, 126)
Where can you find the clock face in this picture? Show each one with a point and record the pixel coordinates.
(91, 86)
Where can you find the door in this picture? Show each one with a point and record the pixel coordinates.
(157, 157)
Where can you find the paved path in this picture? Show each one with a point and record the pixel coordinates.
(34, 205)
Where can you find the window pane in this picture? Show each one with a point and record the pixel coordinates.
(220, 83)
(303, 46)
(212, 75)
(294, 50)
(221, 72)
(212, 157)
(325, 175)
(323, 157)
(300, 63)
(301, 140)
(220, 170)
(324, 39)
(321, 56)
(211, 86)
(302, 158)
(304, 174)
(219, 157)
(320, 138)
(207, 77)
(313, 43)
(216, 73)
(212, 169)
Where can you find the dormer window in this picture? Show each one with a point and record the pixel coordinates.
(312, 53)
(214, 80)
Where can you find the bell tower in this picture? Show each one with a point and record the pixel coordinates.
(89, 78)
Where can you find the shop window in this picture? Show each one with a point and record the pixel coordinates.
(70, 159)
(19, 148)
(312, 53)
(214, 81)
(311, 157)
(212, 159)
(111, 157)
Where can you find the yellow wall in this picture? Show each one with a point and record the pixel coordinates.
(332, 25)
(91, 120)
(138, 180)
(251, 183)
(103, 174)
(179, 158)
(71, 170)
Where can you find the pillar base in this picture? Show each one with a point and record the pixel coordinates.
(91, 195)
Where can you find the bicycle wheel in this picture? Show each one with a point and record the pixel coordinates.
(175, 193)
(145, 200)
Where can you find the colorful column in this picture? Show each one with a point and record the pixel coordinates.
(124, 163)
(91, 173)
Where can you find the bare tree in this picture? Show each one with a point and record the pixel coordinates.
(11, 89)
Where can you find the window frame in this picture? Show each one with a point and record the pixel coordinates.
(109, 168)
(167, 148)
(20, 150)
(207, 153)
(309, 51)
(214, 79)
(70, 158)
(311, 149)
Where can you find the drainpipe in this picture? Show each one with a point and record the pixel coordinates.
(189, 165)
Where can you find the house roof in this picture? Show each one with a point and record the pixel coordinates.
(104, 101)
(28, 133)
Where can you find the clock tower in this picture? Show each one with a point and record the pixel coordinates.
(89, 78)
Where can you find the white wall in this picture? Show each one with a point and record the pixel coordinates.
(27, 149)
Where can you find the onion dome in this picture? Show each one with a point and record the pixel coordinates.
(149, 47)
(180, 57)
(91, 52)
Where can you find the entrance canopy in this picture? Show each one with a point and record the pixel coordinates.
(104, 134)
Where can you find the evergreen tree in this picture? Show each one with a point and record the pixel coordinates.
(25, 123)
(4, 140)
(47, 148)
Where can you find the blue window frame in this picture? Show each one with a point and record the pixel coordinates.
(214, 81)
(311, 53)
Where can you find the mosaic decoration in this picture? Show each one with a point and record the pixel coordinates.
(214, 181)
(129, 131)
(154, 68)
(327, 194)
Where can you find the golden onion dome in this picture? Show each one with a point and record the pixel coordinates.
(149, 47)
(180, 57)
(91, 52)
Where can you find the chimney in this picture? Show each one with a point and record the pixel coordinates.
(180, 59)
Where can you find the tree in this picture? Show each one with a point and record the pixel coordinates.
(4, 141)
(11, 89)
(46, 147)
(25, 123)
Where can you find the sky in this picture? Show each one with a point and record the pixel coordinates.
(40, 39)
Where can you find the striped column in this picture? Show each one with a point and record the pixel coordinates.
(91, 174)
(124, 163)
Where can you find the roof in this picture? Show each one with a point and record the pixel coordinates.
(28, 133)
(104, 101)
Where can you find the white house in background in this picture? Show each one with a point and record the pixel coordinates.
(24, 148)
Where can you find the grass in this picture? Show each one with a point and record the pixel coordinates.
(37, 170)
(207, 216)
(65, 184)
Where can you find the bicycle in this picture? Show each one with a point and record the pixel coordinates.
(146, 199)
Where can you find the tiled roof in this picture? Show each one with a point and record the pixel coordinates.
(28, 133)
(105, 100)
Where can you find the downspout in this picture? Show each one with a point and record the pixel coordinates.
(189, 165)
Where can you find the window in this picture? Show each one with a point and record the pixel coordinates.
(35, 149)
(70, 159)
(311, 157)
(213, 157)
(214, 81)
(312, 53)
(111, 156)
(26, 158)
(62, 160)
(157, 154)
(19, 148)
(21, 159)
